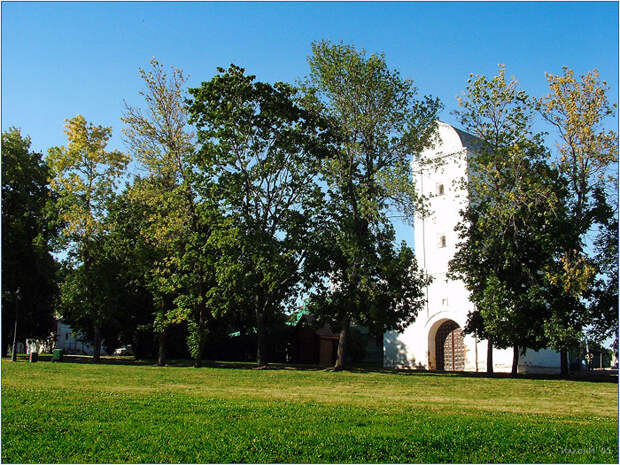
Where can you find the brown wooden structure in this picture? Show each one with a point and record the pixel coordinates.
(315, 346)
(449, 348)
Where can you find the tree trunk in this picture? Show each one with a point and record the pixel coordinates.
(161, 356)
(261, 356)
(201, 348)
(515, 360)
(201, 338)
(97, 330)
(14, 354)
(97, 344)
(564, 363)
(489, 357)
(342, 345)
(380, 348)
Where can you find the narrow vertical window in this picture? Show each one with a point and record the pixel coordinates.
(442, 241)
(440, 189)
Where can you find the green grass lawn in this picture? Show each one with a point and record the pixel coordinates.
(80, 412)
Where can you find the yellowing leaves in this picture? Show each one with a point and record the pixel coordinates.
(84, 176)
(577, 107)
(575, 276)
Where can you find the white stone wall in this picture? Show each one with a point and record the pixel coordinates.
(66, 340)
(435, 244)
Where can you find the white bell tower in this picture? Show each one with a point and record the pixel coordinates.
(435, 340)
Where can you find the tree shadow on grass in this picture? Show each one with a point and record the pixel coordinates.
(360, 368)
(590, 377)
(87, 359)
(172, 363)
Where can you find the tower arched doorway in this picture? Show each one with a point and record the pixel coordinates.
(449, 347)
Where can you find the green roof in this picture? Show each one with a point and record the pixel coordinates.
(238, 333)
(297, 316)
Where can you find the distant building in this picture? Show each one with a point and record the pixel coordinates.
(70, 342)
(318, 345)
(435, 340)
(314, 345)
(63, 338)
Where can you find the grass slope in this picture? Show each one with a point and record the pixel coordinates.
(71, 412)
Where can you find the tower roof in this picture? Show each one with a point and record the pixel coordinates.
(453, 140)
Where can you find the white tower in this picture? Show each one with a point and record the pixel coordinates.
(435, 340)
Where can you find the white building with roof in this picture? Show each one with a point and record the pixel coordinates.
(435, 340)
(70, 342)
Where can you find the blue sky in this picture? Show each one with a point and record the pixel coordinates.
(61, 59)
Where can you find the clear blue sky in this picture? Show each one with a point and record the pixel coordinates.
(61, 59)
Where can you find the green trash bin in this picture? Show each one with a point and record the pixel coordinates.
(57, 355)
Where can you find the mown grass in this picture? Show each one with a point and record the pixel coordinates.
(72, 412)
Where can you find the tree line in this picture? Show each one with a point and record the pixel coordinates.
(249, 197)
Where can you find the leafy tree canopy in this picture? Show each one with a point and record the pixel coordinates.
(379, 125)
(28, 233)
(259, 158)
(84, 177)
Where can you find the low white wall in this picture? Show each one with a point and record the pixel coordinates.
(411, 349)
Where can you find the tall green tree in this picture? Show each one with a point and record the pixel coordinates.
(380, 125)
(84, 176)
(259, 152)
(179, 222)
(512, 226)
(587, 158)
(161, 142)
(28, 233)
